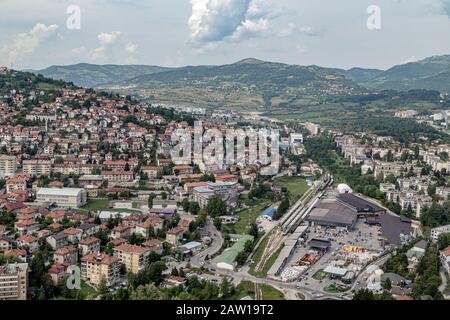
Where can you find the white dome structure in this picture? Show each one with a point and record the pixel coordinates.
(344, 188)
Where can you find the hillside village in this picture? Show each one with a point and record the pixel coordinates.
(89, 183)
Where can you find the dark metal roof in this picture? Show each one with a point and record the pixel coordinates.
(332, 212)
(320, 243)
(359, 204)
(392, 226)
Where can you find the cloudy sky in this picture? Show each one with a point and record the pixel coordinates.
(334, 33)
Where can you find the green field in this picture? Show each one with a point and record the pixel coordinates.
(296, 186)
(248, 216)
(319, 275)
(243, 289)
(95, 205)
(259, 251)
(247, 288)
(257, 257)
(270, 293)
(103, 204)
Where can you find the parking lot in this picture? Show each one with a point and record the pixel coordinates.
(349, 249)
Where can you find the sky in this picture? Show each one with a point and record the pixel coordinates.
(35, 34)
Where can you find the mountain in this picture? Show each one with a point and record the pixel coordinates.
(360, 75)
(431, 73)
(254, 84)
(247, 83)
(92, 75)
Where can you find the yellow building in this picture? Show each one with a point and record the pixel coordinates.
(14, 281)
(97, 266)
(8, 166)
(134, 258)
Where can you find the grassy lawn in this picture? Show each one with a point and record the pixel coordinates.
(135, 205)
(95, 205)
(243, 289)
(319, 275)
(271, 261)
(125, 210)
(333, 288)
(247, 288)
(247, 217)
(270, 293)
(259, 251)
(86, 292)
(296, 186)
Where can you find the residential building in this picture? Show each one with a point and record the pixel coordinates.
(134, 258)
(436, 232)
(37, 167)
(97, 266)
(68, 255)
(8, 166)
(175, 235)
(14, 281)
(89, 245)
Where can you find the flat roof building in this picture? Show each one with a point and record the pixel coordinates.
(360, 205)
(62, 197)
(332, 213)
(228, 257)
(320, 244)
(14, 281)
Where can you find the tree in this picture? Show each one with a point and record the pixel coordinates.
(150, 200)
(146, 292)
(443, 241)
(194, 207)
(282, 208)
(387, 284)
(185, 204)
(364, 294)
(254, 230)
(215, 206)
(103, 287)
(241, 258)
(226, 288)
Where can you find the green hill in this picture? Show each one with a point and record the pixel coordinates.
(249, 83)
(431, 73)
(92, 75)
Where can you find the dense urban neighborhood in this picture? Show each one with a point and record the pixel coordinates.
(96, 205)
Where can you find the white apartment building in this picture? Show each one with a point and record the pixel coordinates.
(436, 232)
(8, 166)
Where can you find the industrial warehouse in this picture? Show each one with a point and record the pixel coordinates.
(341, 234)
(332, 213)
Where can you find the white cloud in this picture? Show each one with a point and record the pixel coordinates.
(251, 28)
(131, 48)
(213, 20)
(235, 20)
(132, 52)
(106, 41)
(411, 59)
(25, 44)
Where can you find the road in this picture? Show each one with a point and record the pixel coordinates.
(443, 285)
(198, 260)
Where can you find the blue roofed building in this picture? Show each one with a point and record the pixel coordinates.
(269, 213)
